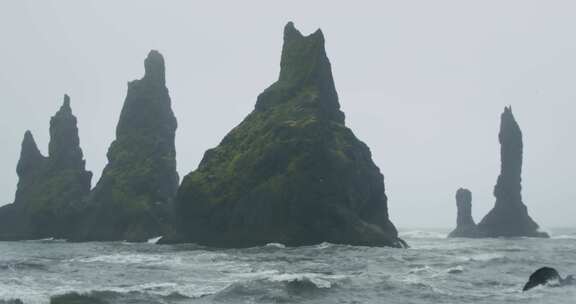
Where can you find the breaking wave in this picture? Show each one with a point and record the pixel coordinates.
(419, 234)
(280, 288)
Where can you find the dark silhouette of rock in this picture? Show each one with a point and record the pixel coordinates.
(291, 172)
(137, 186)
(546, 275)
(51, 188)
(509, 217)
(465, 225)
(76, 298)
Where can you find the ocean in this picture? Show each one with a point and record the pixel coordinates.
(433, 270)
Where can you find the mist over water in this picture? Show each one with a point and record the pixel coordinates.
(422, 84)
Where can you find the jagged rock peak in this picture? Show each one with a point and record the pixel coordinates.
(154, 67)
(65, 108)
(136, 188)
(291, 172)
(291, 32)
(301, 55)
(29, 144)
(305, 78)
(509, 128)
(64, 147)
(30, 156)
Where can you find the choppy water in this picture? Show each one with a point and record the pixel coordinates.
(433, 270)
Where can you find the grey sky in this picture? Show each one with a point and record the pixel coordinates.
(423, 83)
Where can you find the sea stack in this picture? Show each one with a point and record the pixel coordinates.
(509, 217)
(465, 225)
(132, 198)
(291, 172)
(50, 189)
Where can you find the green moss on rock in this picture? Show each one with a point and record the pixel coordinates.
(291, 172)
(50, 189)
(132, 198)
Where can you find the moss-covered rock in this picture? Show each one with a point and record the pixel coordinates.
(130, 202)
(50, 189)
(291, 172)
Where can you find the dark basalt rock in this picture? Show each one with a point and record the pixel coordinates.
(546, 275)
(465, 225)
(509, 217)
(291, 172)
(131, 200)
(51, 188)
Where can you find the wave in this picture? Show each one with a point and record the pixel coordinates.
(154, 240)
(455, 270)
(21, 265)
(280, 288)
(275, 245)
(123, 258)
(420, 234)
(565, 237)
(319, 280)
(111, 296)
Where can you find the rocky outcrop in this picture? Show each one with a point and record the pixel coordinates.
(465, 225)
(291, 172)
(50, 189)
(509, 217)
(131, 200)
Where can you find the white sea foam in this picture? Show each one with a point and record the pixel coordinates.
(275, 245)
(154, 240)
(420, 234)
(319, 280)
(455, 270)
(565, 237)
(123, 258)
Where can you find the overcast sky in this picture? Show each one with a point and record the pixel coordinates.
(423, 83)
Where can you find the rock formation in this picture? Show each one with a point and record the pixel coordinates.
(509, 217)
(291, 172)
(465, 225)
(131, 200)
(51, 188)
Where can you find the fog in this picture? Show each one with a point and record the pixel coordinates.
(423, 83)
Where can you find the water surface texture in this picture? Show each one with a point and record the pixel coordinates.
(433, 270)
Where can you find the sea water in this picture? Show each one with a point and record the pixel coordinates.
(433, 270)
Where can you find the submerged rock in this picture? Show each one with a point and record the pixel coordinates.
(51, 188)
(465, 225)
(509, 217)
(291, 172)
(131, 200)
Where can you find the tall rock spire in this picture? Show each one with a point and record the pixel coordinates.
(30, 157)
(291, 172)
(29, 167)
(509, 217)
(64, 148)
(465, 226)
(50, 189)
(140, 180)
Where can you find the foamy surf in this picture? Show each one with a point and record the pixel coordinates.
(154, 240)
